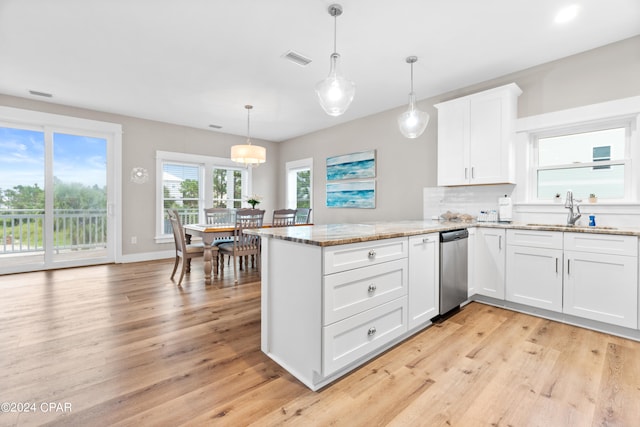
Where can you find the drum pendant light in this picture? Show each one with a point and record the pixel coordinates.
(413, 121)
(335, 93)
(248, 154)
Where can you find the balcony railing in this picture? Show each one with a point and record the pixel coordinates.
(21, 230)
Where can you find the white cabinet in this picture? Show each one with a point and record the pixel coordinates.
(475, 137)
(490, 262)
(471, 262)
(365, 299)
(534, 268)
(424, 278)
(601, 278)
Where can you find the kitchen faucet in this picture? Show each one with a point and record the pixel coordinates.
(570, 203)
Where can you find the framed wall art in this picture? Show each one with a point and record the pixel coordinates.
(352, 194)
(352, 166)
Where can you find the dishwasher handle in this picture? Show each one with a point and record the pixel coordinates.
(450, 236)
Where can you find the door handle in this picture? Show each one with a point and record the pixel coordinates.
(556, 264)
(465, 173)
(500, 242)
(568, 267)
(473, 175)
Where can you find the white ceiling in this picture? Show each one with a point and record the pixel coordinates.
(198, 62)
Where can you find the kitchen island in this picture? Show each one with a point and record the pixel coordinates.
(334, 296)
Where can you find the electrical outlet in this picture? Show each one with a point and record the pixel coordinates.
(134, 240)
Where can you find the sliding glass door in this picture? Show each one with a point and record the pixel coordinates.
(54, 198)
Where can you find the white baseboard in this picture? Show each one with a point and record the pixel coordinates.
(147, 256)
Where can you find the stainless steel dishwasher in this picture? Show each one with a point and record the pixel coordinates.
(453, 269)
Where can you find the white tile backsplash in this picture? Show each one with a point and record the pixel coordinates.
(466, 199)
(473, 199)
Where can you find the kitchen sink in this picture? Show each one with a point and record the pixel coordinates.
(597, 227)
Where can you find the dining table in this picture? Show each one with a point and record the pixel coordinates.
(208, 233)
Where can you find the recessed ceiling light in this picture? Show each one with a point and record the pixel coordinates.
(567, 14)
(37, 93)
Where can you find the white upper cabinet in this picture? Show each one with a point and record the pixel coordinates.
(475, 137)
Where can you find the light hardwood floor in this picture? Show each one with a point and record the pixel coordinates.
(123, 345)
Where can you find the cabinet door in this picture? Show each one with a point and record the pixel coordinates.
(453, 143)
(489, 263)
(471, 262)
(424, 286)
(602, 287)
(488, 157)
(534, 277)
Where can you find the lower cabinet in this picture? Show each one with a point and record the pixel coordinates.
(600, 284)
(424, 278)
(534, 268)
(490, 245)
(364, 303)
(592, 276)
(471, 262)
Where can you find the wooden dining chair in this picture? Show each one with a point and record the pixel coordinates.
(243, 245)
(220, 216)
(303, 215)
(184, 250)
(283, 217)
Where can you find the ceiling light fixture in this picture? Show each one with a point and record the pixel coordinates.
(248, 154)
(335, 92)
(567, 14)
(413, 121)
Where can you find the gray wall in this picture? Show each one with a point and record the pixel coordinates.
(406, 166)
(140, 141)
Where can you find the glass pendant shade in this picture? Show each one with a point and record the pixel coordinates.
(413, 122)
(335, 93)
(248, 154)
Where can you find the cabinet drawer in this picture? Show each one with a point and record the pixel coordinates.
(601, 243)
(347, 257)
(346, 341)
(351, 292)
(536, 239)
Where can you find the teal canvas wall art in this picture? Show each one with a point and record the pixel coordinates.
(352, 194)
(352, 166)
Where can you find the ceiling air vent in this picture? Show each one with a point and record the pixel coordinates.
(297, 58)
(37, 93)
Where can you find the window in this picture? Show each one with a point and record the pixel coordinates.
(583, 160)
(299, 184)
(189, 183)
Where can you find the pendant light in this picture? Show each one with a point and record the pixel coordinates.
(335, 92)
(248, 154)
(413, 121)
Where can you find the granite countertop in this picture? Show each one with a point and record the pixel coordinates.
(340, 234)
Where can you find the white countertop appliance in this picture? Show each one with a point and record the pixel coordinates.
(505, 209)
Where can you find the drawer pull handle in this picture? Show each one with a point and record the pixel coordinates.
(372, 253)
(425, 240)
(372, 288)
(372, 331)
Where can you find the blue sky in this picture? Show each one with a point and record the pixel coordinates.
(76, 158)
